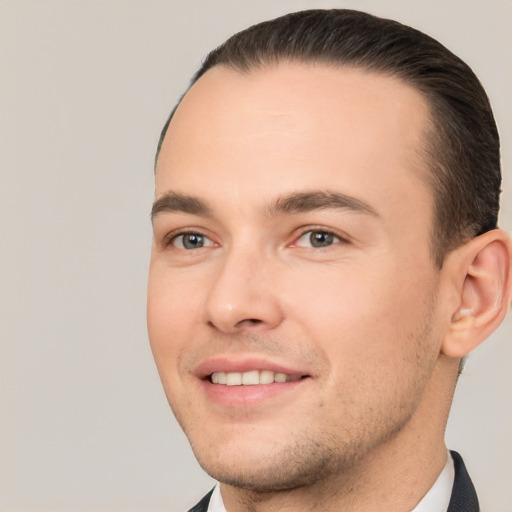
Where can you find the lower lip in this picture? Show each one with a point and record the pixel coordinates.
(248, 396)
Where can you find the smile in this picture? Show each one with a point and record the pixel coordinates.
(251, 378)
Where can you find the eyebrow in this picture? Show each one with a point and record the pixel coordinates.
(298, 202)
(180, 203)
(303, 202)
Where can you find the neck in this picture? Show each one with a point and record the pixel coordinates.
(393, 476)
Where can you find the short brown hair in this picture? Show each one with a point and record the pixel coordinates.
(462, 145)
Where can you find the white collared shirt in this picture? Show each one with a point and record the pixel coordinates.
(216, 503)
(436, 499)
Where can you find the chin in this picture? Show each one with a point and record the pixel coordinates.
(282, 464)
(263, 478)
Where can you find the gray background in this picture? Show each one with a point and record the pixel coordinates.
(85, 87)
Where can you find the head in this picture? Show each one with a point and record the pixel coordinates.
(461, 148)
(326, 193)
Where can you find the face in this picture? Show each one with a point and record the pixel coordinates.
(292, 295)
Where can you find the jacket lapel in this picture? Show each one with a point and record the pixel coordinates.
(202, 506)
(464, 498)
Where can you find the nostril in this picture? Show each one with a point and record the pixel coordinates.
(249, 321)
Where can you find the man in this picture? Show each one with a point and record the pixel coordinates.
(325, 256)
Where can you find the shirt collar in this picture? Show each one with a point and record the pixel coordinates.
(438, 498)
(216, 503)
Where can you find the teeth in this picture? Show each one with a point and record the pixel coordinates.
(266, 377)
(280, 377)
(219, 378)
(251, 378)
(233, 379)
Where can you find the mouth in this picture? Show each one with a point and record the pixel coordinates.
(249, 382)
(252, 378)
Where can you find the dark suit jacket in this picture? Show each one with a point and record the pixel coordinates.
(463, 498)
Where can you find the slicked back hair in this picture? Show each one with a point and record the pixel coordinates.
(462, 143)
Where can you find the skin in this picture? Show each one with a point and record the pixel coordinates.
(363, 319)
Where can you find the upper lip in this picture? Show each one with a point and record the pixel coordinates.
(225, 364)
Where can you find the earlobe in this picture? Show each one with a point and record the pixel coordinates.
(484, 291)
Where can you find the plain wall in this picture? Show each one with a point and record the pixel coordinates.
(85, 88)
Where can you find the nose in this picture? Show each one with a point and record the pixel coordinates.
(243, 295)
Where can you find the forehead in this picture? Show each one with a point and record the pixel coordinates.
(292, 126)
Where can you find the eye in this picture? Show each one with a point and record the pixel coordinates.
(191, 241)
(317, 239)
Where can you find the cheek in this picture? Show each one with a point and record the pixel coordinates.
(170, 317)
(170, 325)
(361, 317)
(375, 337)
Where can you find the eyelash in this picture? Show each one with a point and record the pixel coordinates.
(170, 239)
(337, 238)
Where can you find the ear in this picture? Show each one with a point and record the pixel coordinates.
(481, 276)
